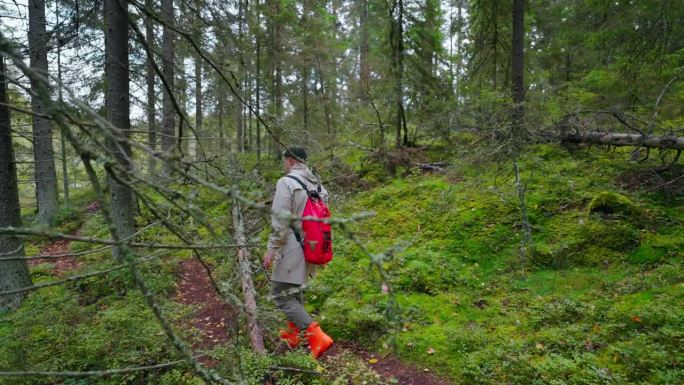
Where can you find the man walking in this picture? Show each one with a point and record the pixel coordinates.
(290, 270)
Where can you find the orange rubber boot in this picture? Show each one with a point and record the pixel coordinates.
(318, 341)
(291, 335)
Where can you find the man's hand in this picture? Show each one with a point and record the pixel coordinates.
(268, 258)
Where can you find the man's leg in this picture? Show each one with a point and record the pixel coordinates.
(289, 299)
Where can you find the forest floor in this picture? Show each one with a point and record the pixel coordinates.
(597, 301)
(60, 265)
(213, 318)
(387, 366)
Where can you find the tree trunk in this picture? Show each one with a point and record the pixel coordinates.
(118, 106)
(258, 78)
(518, 64)
(199, 119)
(618, 139)
(44, 156)
(13, 274)
(248, 112)
(62, 141)
(276, 36)
(363, 51)
(151, 94)
(495, 41)
(182, 143)
(239, 144)
(220, 100)
(255, 336)
(397, 39)
(305, 99)
(240, 108)
(278, 90)
(459, 39)
(168, 139)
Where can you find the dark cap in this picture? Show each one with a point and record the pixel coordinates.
(295, 152)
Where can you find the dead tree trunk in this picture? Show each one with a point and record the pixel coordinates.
(255, 336)
(618, 139)
(13, 274)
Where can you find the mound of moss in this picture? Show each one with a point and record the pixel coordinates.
(594, 242)
(611, 204)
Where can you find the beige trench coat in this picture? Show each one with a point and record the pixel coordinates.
(289, 265)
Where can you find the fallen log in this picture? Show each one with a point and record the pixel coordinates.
(437, 166)
(670, 142)
(255, 336)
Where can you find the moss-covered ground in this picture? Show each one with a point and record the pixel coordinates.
(597, 298)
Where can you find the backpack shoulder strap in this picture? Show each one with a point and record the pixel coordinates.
(292, 226)
(299, 181)
(315, 194)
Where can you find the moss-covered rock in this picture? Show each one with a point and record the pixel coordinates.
(610, 204)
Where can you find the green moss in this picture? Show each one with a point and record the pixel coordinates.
(611, 204)
(658, 247)
(351, 320)
(581, 242)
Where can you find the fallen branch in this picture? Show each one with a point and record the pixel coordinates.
(18, 231)
(437, 166)
(255, 336)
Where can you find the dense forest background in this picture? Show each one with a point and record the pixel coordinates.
(505, 176)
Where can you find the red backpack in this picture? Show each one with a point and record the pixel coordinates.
(317, 241)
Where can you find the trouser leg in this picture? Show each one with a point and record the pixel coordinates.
(290, 300)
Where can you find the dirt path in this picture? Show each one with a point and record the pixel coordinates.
(63, 265)
(60, 266)
(213, 316)
(388, 367)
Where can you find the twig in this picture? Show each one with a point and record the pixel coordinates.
(296, 370)
(70, 255)
(655, 107)
(18, 231)
(94, 373)
(80, 276)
